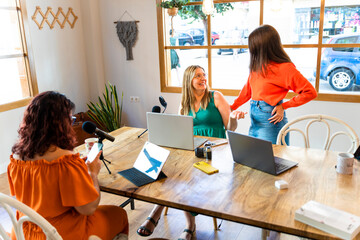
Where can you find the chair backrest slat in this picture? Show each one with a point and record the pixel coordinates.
(324, 119)
(8, 203)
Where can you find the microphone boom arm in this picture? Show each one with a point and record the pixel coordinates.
(142, 133)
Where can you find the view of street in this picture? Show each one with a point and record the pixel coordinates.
(230, 71)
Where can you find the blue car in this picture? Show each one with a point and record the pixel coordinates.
(341, 65)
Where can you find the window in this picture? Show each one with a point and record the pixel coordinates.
(322, 38)
(17, 84)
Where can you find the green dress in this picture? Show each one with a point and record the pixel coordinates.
(208, 122)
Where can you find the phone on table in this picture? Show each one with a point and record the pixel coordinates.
(96, 148)
(205, 167)
(357, 153)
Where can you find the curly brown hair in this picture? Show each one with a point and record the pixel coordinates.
(47, 121)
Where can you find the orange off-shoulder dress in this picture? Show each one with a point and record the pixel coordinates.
(53, 189)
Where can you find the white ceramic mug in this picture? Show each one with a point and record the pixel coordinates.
(345, 162)
(89, 142)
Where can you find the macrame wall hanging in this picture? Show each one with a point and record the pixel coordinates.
(127, 32)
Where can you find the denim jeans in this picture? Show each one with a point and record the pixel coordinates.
(261, 127)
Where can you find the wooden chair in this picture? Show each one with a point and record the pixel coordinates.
(214, 219)
(8, 203)
(313, 118)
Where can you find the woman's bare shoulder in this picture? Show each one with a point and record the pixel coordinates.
(52, 154)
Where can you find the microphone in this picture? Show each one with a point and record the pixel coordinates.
(163, 103)
(155, 109)
(91, 128)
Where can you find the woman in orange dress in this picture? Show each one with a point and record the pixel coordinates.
(45, 174)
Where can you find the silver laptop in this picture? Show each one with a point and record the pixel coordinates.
(257, 153)
(171, 130)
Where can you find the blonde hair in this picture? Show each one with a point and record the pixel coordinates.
(187, 96)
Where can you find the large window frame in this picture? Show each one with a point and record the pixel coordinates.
(165, 77)
(29, 86)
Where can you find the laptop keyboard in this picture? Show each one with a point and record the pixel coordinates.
(280, 166)
(198, 141)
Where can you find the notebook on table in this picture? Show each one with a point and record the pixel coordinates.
(257, 153)
(148, 165)
(171, 130)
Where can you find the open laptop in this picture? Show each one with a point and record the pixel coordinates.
(171, 130)
(257, 153)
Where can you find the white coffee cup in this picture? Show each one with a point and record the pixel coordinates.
(345, 163)
(89, 142)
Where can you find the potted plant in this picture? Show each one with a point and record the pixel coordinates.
(173, 6)
(107, 113)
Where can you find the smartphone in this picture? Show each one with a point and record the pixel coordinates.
(96, 148)
(357, 153)
(205, 167)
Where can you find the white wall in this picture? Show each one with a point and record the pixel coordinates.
(78, 61)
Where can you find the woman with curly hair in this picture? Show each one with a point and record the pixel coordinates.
(45, 174)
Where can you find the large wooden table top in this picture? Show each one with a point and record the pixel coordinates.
(236, 193)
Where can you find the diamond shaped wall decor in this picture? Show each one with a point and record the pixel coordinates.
(55, 17)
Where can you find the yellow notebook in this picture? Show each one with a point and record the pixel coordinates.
(205, 167)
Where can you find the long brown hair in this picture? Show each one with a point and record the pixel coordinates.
(187, 96)
(265, 47)
(47, 121)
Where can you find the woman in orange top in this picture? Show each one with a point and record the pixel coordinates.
(45, 174)
(272, 75)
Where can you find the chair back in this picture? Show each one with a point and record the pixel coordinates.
(8, 203)
(349, 132)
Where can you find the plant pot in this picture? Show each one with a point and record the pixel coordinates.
(172, 11)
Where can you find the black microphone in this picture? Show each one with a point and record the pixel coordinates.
(155, 109)
(163, 103)
(91, 128)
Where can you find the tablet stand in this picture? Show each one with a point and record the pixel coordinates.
(102, 156)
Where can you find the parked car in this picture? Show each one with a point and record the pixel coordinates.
(341, 65)
(199, 36)
(184, 39)
(233, 37)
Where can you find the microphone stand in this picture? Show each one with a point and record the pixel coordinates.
(102, 156)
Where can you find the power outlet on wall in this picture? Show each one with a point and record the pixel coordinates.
(134, 99)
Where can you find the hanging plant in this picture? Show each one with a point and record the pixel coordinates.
(173, 4)
(173, 7)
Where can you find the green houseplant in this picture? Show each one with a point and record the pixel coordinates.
(107, 112)
(173, 3)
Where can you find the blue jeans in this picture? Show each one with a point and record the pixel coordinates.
(261, 127)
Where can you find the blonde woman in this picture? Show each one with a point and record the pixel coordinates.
(212, 116)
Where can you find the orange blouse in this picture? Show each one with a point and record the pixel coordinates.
(281, 78)
(52, 189)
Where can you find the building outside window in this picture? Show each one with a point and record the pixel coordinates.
(322, 38)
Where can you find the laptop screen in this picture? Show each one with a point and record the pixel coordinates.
(257, 153)
(170, 130)
(252, 152)
(151, 159)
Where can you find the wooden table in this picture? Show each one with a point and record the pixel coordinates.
(237, 193)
